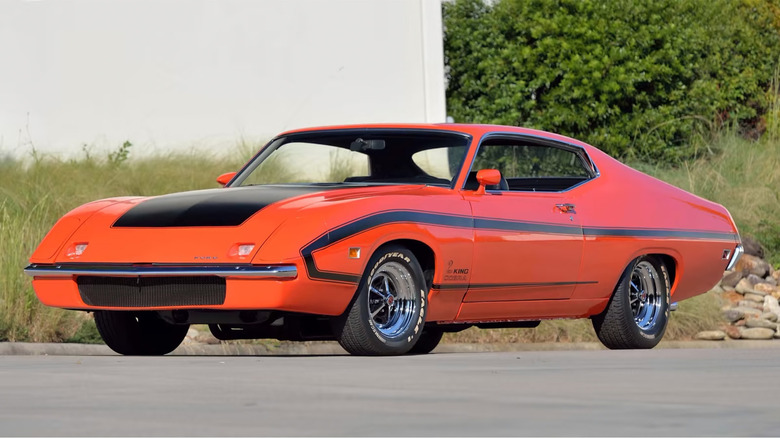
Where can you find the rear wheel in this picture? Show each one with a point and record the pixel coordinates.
(139, 333)
(387, 314)
(638, 311)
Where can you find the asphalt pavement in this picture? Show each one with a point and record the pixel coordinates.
(660, 392)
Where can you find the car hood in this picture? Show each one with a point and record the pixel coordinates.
(201, 226)
(209, 208)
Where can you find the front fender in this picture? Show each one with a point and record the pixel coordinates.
(67, 226)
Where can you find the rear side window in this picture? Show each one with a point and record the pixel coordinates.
(440, 162)
(528, 166)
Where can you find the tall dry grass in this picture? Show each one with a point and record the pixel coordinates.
(34, 193)
(744, 176)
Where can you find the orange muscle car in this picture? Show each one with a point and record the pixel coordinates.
(383, 237)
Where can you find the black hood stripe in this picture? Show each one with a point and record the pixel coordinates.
(209, 208)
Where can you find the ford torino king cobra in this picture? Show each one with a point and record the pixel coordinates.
(384, 237)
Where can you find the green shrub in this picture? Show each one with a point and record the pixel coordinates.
(647, 78)
(86, 334)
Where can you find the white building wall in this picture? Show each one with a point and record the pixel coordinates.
(177, 74)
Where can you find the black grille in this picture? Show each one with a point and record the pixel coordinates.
(151, 291)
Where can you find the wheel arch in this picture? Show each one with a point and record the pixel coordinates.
(671, 267)
(669, 257)
(425, 255)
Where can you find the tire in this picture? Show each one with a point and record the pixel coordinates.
(387, 315)
(429, 339)
(638, 310)
(139, 333)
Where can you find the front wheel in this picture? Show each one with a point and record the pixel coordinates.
(429, 339)
(387, 315)
(638, 311)
(139, 333)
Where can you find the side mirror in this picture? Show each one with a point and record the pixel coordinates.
(487, 177)
(225, 178)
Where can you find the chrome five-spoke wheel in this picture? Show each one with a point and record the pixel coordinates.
(391, 301)
(638, 311)
(387, 315)
(645, 295)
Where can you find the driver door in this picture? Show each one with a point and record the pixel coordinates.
(528, 239)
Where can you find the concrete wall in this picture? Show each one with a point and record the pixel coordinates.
(177, 74)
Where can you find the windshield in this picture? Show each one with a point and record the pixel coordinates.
(364, 156)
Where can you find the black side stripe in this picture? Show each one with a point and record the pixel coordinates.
(533, 227)
(366, 223)
(668, 234)
(408, 216)
(507, 285)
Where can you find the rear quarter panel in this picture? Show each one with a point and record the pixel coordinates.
(626, 214)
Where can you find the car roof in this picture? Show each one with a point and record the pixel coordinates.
(475, 130)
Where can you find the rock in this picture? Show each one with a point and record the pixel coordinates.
(728, 288)
(731, 278)
(756, 298)
(733, 315)
(769, 316)
(776, 276)
(755, 279)
(777, 335)
(771, 305)
(752, 304)
(732, 297)
(771, 280)
(748, 312)
(744, 286)
(758, 322)
(192, 333)
(752, 247)
(717, 289)
(740, 323)
(765, 288)
(710, 335)
(751, 264)
(757, 333)
(732, 332)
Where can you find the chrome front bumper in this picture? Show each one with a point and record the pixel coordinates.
(67, 270)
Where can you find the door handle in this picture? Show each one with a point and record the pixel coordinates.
(565, 208)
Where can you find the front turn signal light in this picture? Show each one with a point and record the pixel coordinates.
(76, 250)
(241, 250)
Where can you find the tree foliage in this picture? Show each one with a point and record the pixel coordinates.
(633, 77)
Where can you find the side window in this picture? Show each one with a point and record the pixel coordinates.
(532, 167)
(440, 162)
